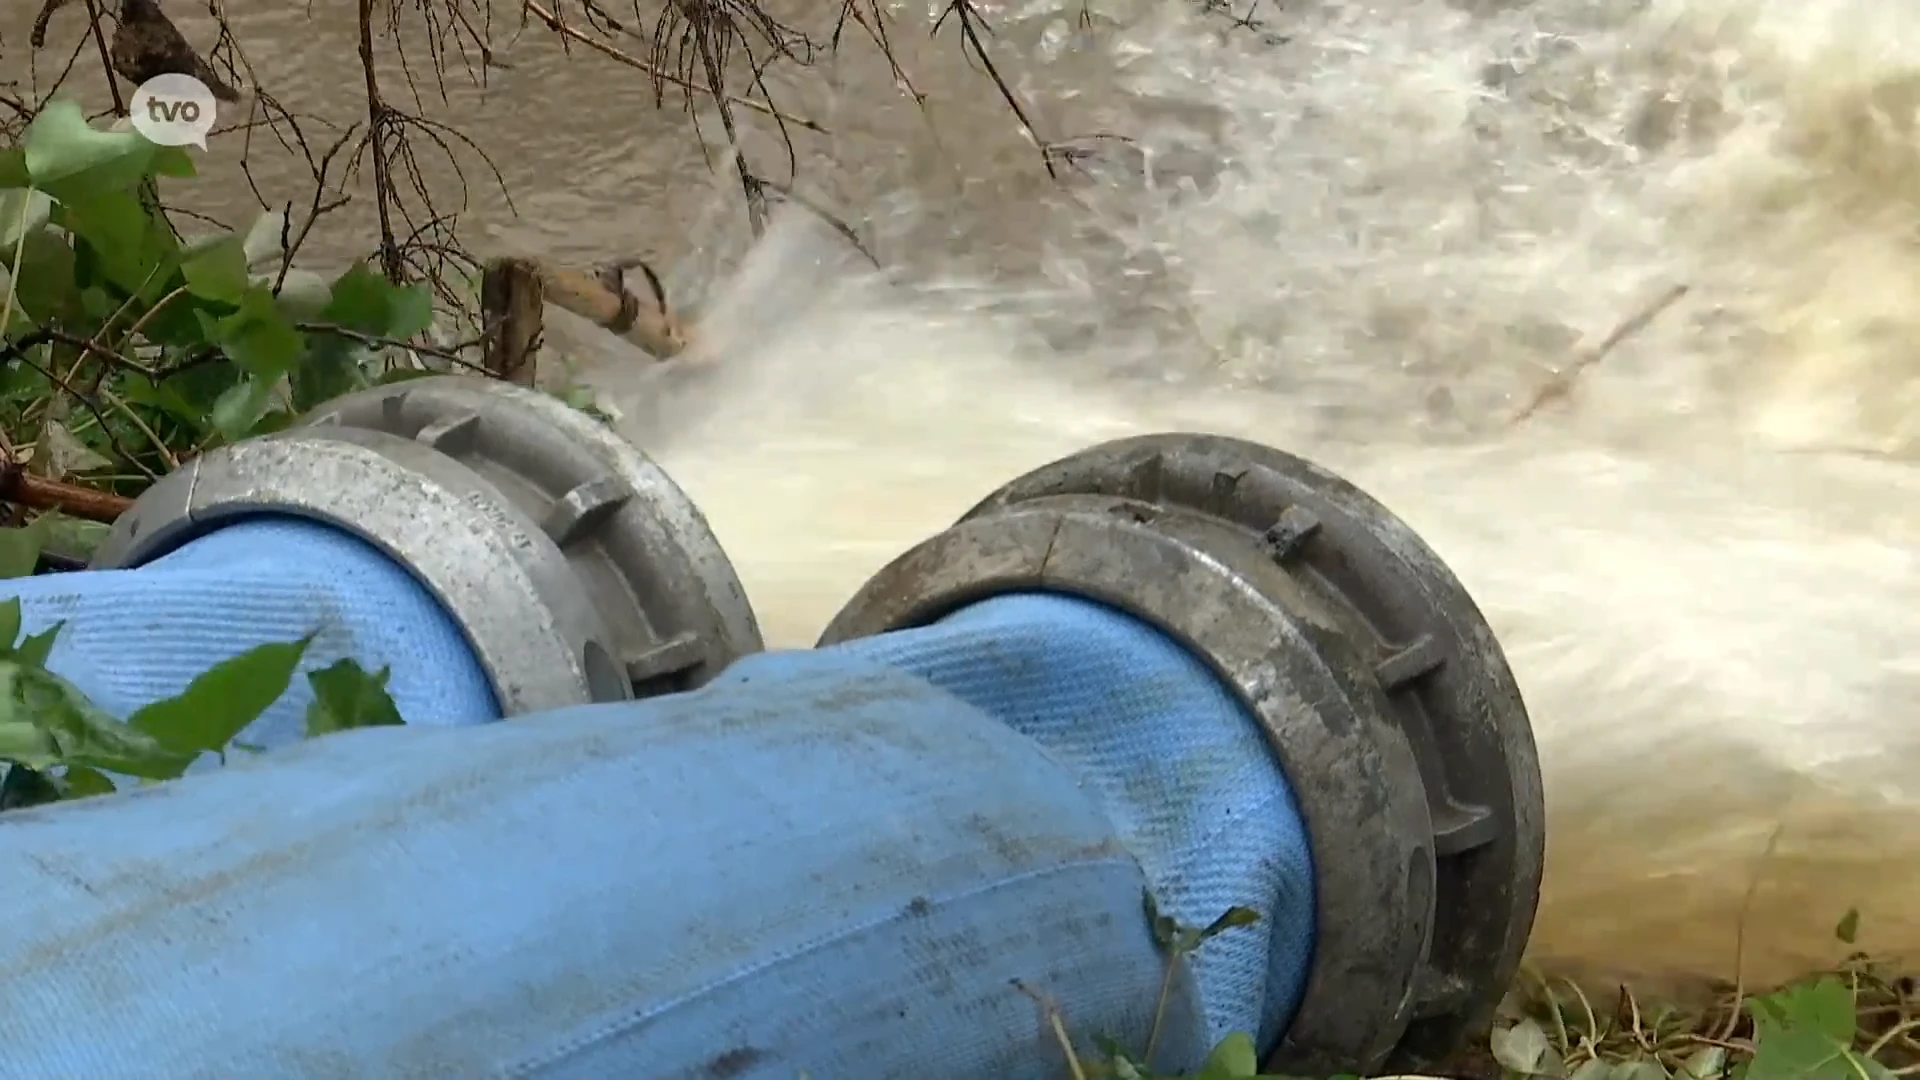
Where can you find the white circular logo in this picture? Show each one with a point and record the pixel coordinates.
(173, 110)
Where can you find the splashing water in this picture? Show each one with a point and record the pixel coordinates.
(1370, 245)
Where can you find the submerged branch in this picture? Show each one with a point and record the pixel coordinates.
(1561, 384)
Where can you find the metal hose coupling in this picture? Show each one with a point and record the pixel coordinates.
(1383, 693)
(578, 570)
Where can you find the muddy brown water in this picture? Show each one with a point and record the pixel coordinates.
(1367, 244)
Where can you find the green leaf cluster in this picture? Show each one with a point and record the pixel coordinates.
(56, 744)
(1851, 1023)
(128, 346)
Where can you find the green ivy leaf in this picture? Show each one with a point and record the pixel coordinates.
(20, 384)
(176, 324)
(9, 622)
(410, 311)
(275, 421)
(189, 395)
(220, 703)
(65, 153)
(166, 398)
(34, 651)
(97, 303)
(334, 367)
(83, 782)
(1233, 1058)
(1806, 1032)
(173, 161)
(240, 407)
(346, 697)
(20, 549)
(44, 286)
(130, 247)
(218, 270)
(26, 745)
(13, 168)
(360, 301)
(258, 336)
(46, 721)
(72, 536)
(365, 301)
(1823, 1006)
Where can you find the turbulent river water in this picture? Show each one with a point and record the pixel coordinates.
(1365, 233)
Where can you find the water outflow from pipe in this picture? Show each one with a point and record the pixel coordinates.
(1370, 245)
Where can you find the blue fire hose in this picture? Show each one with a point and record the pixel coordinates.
(897, 854)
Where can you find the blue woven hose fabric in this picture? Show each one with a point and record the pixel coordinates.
(1183, 768)
(131, 637)
(814, 866)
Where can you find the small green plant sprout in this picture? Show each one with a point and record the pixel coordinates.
(1180, 942)
(1234, 1058)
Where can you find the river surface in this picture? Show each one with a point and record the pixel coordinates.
(1368, 234)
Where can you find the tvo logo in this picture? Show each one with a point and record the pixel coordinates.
(173, 110)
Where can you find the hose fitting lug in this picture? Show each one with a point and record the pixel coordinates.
(1406, 665)
(1285, 537)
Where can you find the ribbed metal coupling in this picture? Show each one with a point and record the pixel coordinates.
(1382, 691)
(577, 569)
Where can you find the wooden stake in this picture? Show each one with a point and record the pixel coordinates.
(513, 305)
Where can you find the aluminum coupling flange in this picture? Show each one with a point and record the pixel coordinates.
(1384, 696)
(577, 569)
